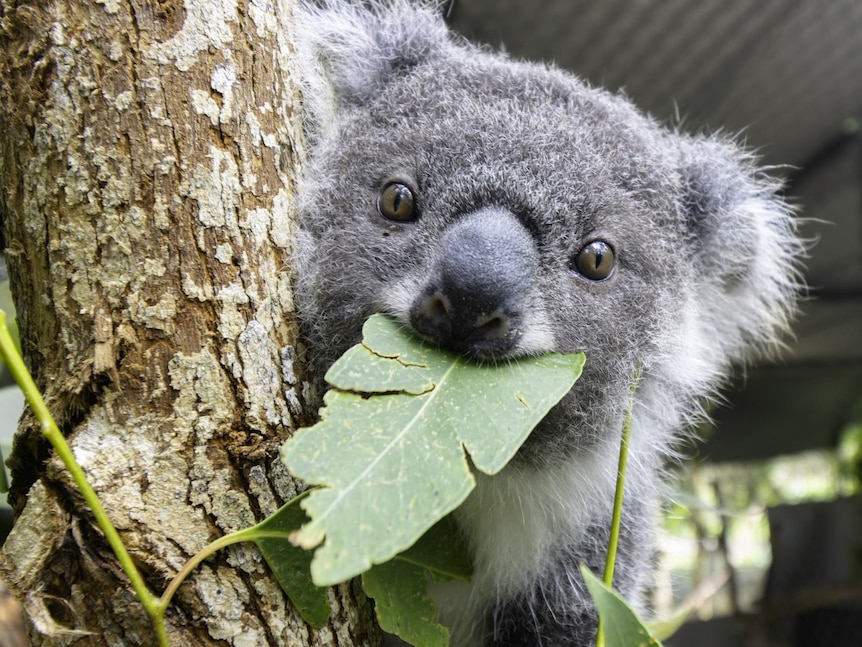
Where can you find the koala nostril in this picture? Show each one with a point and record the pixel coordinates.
(495, 326)
(437, 308)
(431, 317)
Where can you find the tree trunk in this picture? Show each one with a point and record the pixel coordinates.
(148, 150)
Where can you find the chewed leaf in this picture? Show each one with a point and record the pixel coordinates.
(389, 449)
(622, 627)
(363, 371)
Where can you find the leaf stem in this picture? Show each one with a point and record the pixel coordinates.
(613, 541)
(247, 534)
(52, 433)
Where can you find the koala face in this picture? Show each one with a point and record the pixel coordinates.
(499, 221)
(501, 209)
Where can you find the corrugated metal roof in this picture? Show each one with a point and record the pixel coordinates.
(786, 72)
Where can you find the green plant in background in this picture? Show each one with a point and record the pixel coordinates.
(716, 546)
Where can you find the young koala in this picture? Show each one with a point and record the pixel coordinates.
(503, 209)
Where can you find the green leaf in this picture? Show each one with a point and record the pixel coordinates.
(389, 449)
(402, 603)
(289, 563)
(399, 587)
(622, 627)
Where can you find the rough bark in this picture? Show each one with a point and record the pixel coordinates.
(147, 155)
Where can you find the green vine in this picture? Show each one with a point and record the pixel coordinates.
(613, 542)
(52, 433)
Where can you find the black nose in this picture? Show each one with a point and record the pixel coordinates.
(475, 298)
(463, 322)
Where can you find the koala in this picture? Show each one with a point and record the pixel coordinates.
(503, 209)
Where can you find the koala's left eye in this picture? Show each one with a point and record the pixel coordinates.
(595, 261)
(396, 202)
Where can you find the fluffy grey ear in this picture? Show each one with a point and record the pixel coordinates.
(745, 245)
(347, 48)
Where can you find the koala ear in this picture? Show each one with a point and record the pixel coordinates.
(743, 238)
(347, 48)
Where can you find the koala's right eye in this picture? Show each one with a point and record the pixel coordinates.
(396, 202)
(595, 261)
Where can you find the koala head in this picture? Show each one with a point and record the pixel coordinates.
(502, 208)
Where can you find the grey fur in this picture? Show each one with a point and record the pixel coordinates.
(528, 164)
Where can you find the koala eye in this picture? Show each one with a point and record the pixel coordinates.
(396, 202)
(595, 261)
